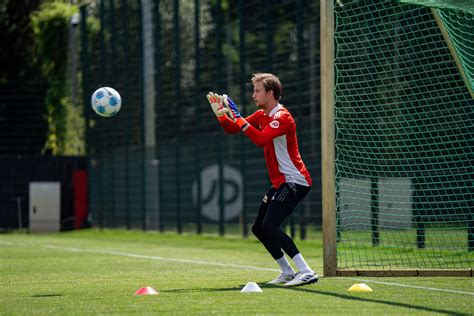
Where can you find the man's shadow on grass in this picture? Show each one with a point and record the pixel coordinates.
(370, 300)
(313, 289)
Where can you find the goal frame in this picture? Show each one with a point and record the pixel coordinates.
(328, 180)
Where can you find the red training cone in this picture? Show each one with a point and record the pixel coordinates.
(146, 291)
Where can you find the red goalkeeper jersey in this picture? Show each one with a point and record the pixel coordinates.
(276, 133)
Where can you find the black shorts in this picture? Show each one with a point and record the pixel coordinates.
(279, 203)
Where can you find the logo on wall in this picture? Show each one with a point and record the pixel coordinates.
(232, 195)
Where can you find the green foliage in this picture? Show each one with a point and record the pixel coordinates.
(50, 26)
(74, 133)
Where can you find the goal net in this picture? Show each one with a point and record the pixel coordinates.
(404, 75)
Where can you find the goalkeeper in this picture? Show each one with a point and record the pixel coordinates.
(273, 128)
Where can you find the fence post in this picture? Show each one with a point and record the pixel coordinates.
(299, 17)
(269, 35)
(197, 96)
(219, 62)
(243, 99)
(470, 232)
(177, 91)
(158, 91)
(374, 211)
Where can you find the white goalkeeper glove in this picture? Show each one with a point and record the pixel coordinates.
(217, 104)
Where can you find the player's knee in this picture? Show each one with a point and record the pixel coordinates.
(268, 229)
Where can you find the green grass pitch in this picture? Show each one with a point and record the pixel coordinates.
(93, 272)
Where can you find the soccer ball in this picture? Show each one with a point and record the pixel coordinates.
(106, 101)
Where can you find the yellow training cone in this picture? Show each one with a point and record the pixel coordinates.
(360, 287)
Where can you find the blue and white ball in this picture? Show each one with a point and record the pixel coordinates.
(106, 101)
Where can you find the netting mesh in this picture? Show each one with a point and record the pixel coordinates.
(460, 27)
(404, 150)
(458, 20)
(461, 5)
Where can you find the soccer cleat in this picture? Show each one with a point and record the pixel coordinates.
(302, 278)
(282, 278)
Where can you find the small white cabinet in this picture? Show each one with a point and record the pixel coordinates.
(45, 206)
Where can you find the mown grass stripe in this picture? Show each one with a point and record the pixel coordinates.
(226, 265)
(133, 255)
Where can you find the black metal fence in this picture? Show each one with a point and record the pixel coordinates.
(164, 163)
(17, 172)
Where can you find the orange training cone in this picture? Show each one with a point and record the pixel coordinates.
(146, 291)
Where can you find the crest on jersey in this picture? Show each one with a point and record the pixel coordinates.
(274, 124)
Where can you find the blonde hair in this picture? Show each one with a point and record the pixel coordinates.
(270, 83)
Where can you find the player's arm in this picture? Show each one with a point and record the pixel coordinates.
(228, 125)
(260, 138)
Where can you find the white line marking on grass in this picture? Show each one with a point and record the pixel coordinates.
(413, 286)
(132, 255)
(137, 256)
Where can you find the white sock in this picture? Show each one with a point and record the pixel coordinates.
(285, 266)
(301, 264)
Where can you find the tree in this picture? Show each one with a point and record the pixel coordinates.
(51, 25)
